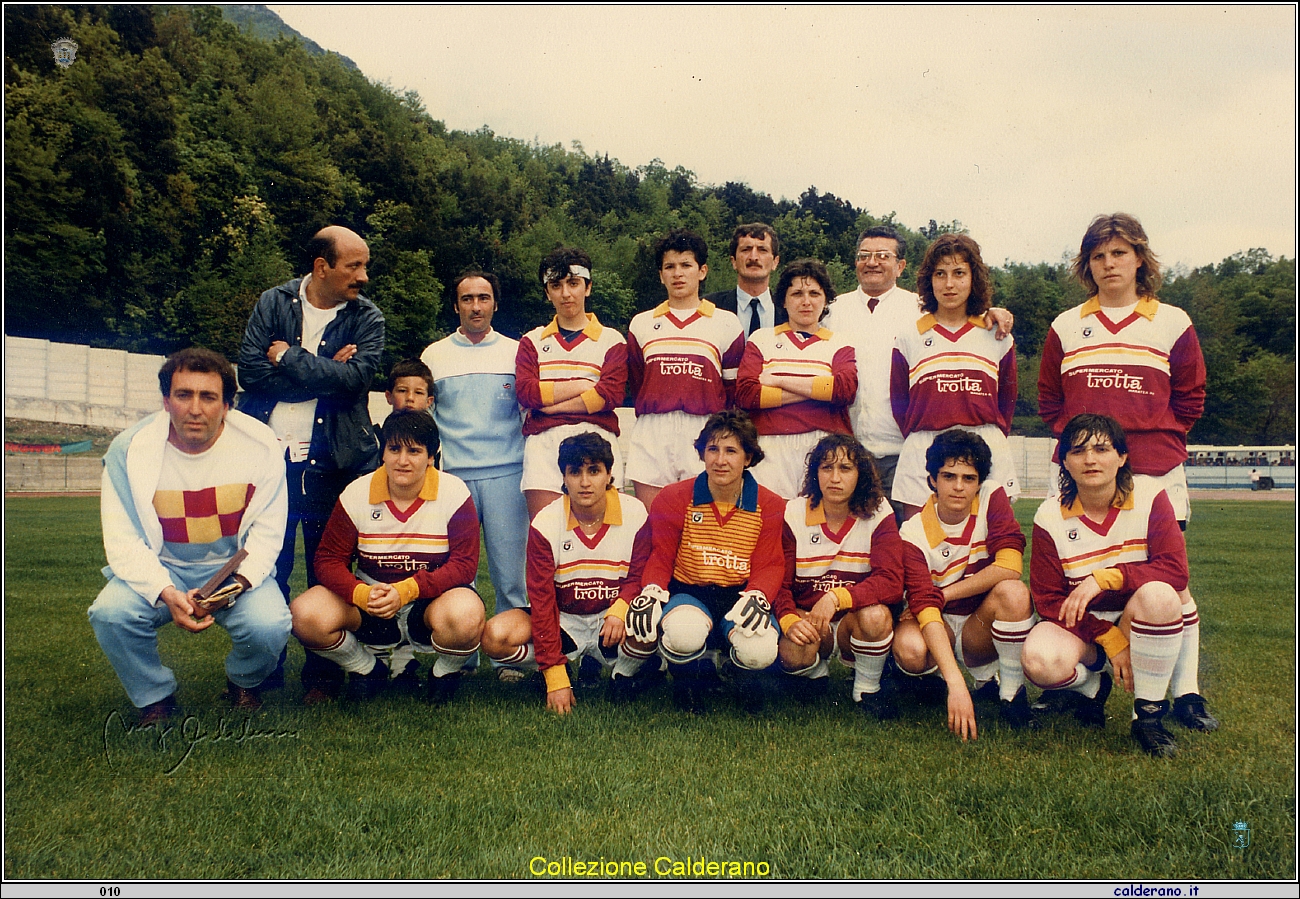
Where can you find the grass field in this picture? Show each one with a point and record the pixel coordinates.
(481, 788)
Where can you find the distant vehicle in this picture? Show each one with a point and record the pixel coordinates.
(1230, 466)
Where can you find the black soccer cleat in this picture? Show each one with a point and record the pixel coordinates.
(1149, 730)
(1055, 702)
(806, 689)
(1191, 713)
(441, 690)
(623, 688)
(880, 705)
(987, 692)
(1016, 712)
(1092, 712)
(363, 687)
(407, 681)
(588, 674)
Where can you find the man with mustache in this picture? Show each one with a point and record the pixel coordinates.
(755, 254)
(309, 354)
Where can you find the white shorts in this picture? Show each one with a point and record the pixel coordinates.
(542, 452)
(584, 631)
(911, 481)
(662, 450)
(785, 461)
(1173, 482)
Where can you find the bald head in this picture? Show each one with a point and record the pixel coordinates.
(338, 258)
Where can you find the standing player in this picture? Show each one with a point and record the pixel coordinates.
(586, 553)
(716, 568)
(844, 568)
(414, 534)
(1125, 354)
(949, 371)
(569, 375)
(682, 360)
(1107, 568)
(962, 557)
(796, 380)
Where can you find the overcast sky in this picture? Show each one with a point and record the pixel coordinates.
(1020, 122)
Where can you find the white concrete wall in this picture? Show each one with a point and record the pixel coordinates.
(78, 385)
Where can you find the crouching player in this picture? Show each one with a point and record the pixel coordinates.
(413, 532)
(1107, 568)
(962, 555)
(844, 568)
(716, 568)
(586, 552)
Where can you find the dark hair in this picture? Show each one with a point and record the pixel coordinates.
(758, 231)
(804, 268)
(680, 240)
(954, 246)
(410, 368)
(578, 450)
(883, 231)
(203, 360)
(476, 273)
(958, 446)
(322, 245)
(555, 264)
(410, 428)
(735, 423)
(1129, 230)
(869, 493)
(1081, 429)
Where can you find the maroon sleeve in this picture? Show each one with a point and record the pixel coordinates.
(635, 367)
(1187, 379)
(545, 614)
(884, 585)
(1004, 530)
(899, 391)
(1051, 396)
(767, 562)
(748, 390)
(336, 553)
(461, 566)
(921, 591)
(1166, 551)
(641, 545)
(612, 385)
(731, 360)
(1007, 387)
(528, 389)
(844, 368)
(667, 517)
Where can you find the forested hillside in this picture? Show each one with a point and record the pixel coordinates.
(156, 186)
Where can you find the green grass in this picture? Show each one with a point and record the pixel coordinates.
(476, 790)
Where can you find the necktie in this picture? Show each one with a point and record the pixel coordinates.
(754, 323)
(872, 303)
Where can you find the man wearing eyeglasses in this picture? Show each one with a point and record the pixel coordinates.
(871, 317)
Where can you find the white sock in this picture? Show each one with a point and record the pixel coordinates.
(629, 662)
(522, 657)
(1009, 641)
(1153, 648)
(349, 654)
(449, 661)
(1185, 677)
(868, 662)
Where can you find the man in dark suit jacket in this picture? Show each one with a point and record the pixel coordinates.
(755, 254)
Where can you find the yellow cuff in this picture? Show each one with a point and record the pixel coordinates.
(843, 601)
(788, 622)
(557, 678)
(769, 397)
(361, 597)
(408, 590)
(592, 400)
(1109, 578)
(929, 615)
(1113, 641)
(822, 388)
(618, 608)
(547, 389)
(1010, 559)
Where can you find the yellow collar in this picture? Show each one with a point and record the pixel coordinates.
(613, 511)
(928, 321)
(1146, 307)
(706, 308)
(1075, 510)
(592, 329)
(821, 333)
(813, 516)
(933, 526)
(379, 486)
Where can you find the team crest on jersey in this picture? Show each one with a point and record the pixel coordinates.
(697, 517)
(815, 538)
(929, 341)
(546, 348)
(945, 552)
(1087, 332)
(566, 545)
(658, 325)
(376, 514)
(779, 344)
(1073, 534)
